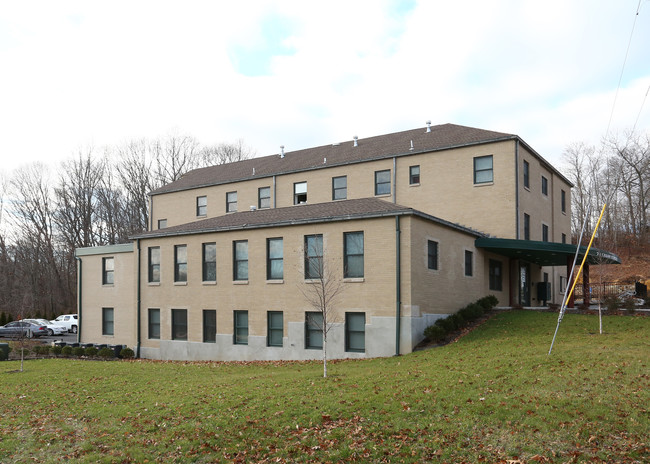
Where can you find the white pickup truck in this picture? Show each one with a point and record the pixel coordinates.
(69, 321)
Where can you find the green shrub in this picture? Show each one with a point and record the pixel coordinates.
(458, 321)
(488, 302)
(45, 349)
(106, 353)
(127, 353)
(612, 303)
(3, 355)
(37, 349)
(435, 333)
(66, 351)
(78, 351)
(56, 350)
(446, 324)
(471, 312)
(91, 351)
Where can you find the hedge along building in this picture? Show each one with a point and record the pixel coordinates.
(406, 221)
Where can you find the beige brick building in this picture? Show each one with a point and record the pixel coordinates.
(411, 226)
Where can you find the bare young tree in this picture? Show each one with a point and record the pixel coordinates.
(226, 153)
(321, 290)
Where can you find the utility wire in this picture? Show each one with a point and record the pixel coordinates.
(640, 109)
(620, 79)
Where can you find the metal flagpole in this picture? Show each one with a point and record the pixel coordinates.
(568, 295)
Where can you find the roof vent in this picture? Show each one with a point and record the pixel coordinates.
(324, 160)
(253, 208)
(281, 151)
(429, 126)
(411, 145)
(356, 141)
(253, 171)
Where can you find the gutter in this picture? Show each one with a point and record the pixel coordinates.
(79, 300)
(398, 286)
(517, 189)
(138, 299)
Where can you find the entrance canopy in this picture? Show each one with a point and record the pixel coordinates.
(544, 253)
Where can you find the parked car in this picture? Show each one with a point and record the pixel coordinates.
(69, 321)
(19, 329)
(52, 329)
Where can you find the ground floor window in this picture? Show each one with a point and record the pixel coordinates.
(275, 328)
(179, 324)
(314, 330)
(107, 321)
(496, 272)
(154, 323)
(209, 326)
(241, 328)
(355, 332)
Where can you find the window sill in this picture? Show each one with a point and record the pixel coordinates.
(153, 284)
(527, 188)
(240, 282)
(209, 282)
(275, 281)
(484, 184)
(180, 283)
(108, 285)
(202, 216)
(379, 195)
(354, 279)
(412, 185)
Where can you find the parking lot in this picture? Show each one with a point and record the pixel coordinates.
(68, 338)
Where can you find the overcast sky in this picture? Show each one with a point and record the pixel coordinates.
(75, 74)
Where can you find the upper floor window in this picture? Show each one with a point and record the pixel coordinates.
(495, 275)
(162, 223)
(313, 256)
(339, 188)
(544, 233)
(469, 263)
(414, 175)
(209, 253)
(202, 206)
(108, 321)
(264, 197)
(274, 260)
(563, 200)
(483, 172)
(382, 182)
(526, 227)
(240, 260)
(108, 270)
(353, 254)
(154, 264)
(432, 254)
(563, 238)
(544, 186)
(299, 193)
(231, 202)
(180, 263)
(526, 174)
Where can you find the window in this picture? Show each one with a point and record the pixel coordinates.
(563, 200)
(274, 259)
(382, 182)
(469, 257)
(355, 332)
(108, 269)
(339, 188)
(107, 321)
(299, 193)
(209, 262)
(544, 186)
(563, 238)
(202, 206)
(526, 174)
(240, 261)
(495, 275)
(264, 197)
(154, 264)
(313, 256)
(154, 323)
(275, 328)
(231, 202)
(209, 326)
(180, 263)
(526, 227)
(432, 254)
(353, 254)
(483, 169)
(563, 281)
(241, 328)
(162, 223)
(544, 233)
(179, 324)
(414, 175)
(314, 330)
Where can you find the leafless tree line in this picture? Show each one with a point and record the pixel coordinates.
(617, 173)
(94, 198)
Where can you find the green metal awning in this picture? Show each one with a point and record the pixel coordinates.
(544, 253)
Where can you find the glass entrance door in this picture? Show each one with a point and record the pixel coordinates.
(524, 284)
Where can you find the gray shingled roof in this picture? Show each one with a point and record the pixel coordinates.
(441, 137)
(301, 214)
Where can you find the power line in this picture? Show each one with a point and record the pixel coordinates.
(640, 109)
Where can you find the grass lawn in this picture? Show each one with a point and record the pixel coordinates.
(493, 396)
